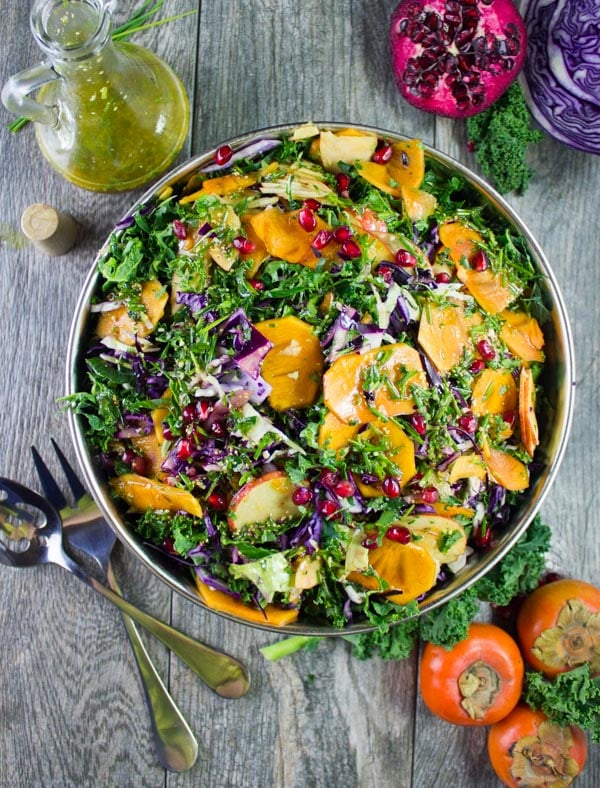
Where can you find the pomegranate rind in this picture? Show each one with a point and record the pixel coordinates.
(456, 57)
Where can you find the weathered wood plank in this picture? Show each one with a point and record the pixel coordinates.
(70, 702)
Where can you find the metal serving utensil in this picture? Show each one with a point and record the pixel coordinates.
(86, 530)
(31, 534)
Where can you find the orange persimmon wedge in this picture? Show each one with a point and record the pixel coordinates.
(224, 184)
(494, 392)
(418, 204)
(142, 493)
(224, 603)
(505, 469)
(444, 333)
(466, 466)
(335, 434)
(259, 254)
(149, 448)
(405, 170)
(488, 288)
(527, 418)
(460, 240)
(407, 569)
(450, 510)
(293, 366)
(284, 238)
(119, 324)
(388, 372)
(400, 450)
(522, 335)
(407, 165)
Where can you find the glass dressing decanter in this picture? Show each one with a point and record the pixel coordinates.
(109, 115)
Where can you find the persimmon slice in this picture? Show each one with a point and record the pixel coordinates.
(444, 333)
(225, 603)
(142, 493)
(358, 385)
(120, 325)
(294, 364)
(407, 569)
(527, 418)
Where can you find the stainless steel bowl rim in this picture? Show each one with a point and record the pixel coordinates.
(485, 561)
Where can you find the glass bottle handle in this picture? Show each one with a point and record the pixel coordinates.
(15, 94)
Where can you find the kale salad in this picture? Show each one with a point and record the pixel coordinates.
(310, 376)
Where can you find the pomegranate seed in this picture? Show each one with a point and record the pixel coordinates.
(405, 259)
(369, 543)
(328, 478)
(430, 495)
(184, 449)
(257, 285)
(478, 260)
(311, 204)
(301, 496)
(217, 428)
(223, 154)
(385, 272)
(139, 465)
(322, 238)
(307, 220)
(168, 545)
(383, 154)
(390, 487)
(468, 423)
(342, 233)
(477, 367)
(217, 501)
(442, 278)
(350, 249)
(343, 184)
(188, 414)
(128, 456)
(203, 409)
(327, 508)
(179, 229)
(483, 541)
(398, 533)
(243, 245)
(509, 418)
(344, 488)
(167, 432)
(486, 350)
(418, 423)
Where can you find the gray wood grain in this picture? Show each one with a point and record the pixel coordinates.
(71, 706)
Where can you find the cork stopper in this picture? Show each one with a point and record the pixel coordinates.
(50, 230)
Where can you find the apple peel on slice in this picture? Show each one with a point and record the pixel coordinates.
(267, 498)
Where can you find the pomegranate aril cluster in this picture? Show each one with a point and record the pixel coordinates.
(451, 51)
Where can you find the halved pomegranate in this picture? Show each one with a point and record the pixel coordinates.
(456, 57)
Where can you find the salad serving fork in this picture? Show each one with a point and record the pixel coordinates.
(31, 533)
(86, 530)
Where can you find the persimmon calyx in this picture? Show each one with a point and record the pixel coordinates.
(575, 640)
(479, 685)
(543, 759)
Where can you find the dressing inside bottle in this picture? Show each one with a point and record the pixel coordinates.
(109, 115)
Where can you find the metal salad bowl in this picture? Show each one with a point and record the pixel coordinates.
(555, 416)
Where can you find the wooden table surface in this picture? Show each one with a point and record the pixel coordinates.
(71, 706)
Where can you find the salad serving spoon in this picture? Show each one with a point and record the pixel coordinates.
(31, 534)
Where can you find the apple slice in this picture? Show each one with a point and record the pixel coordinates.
(444, 539)
(267, 498)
